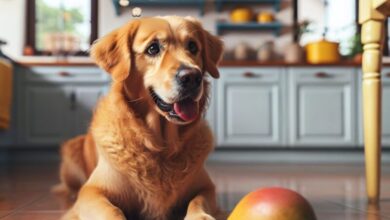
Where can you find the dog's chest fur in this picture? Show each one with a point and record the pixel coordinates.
(157, 177)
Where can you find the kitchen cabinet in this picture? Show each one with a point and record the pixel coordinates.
(46, 114)
(385, 108)
(322, 107)
(211, 113)
(85, 99)
(249, 107)
(287, 106)
(58, 103)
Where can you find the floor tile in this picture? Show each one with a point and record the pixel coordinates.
(13, 200)
(4, 213)
(347, 216)
(335, 191)
(49, 202)
(34, 216)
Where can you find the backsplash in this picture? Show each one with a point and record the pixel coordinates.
(108, 20)
(12, 30)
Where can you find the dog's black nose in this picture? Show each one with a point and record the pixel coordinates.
(189, 78)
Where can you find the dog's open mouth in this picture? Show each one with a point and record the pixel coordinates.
(184, 110)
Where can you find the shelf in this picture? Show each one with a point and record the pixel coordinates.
(226, 26)
(161, 3)
(220, 3)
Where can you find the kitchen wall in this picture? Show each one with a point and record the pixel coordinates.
(12, 23)
(12, 20)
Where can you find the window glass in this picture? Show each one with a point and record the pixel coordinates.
(335, 17)
(63, 25)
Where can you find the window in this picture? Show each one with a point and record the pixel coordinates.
(336, 20)
(60, 27)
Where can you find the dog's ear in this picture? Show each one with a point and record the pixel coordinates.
(213, 49)
(113, 51)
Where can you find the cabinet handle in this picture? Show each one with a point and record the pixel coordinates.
(73, 100)
(322, 75)
(250, 75)
(64, 74)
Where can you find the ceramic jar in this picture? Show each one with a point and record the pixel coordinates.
(294, 53)
(266, 52)
(241, 52)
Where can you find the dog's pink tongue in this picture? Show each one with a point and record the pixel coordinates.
(186, 109)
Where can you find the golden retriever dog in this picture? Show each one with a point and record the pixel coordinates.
(143, 156)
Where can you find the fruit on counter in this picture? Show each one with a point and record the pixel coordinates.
(241, 15)
(322, 52)
(271, 204)
(265, 17)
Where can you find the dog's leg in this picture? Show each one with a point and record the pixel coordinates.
(93, 204)
(202, 206)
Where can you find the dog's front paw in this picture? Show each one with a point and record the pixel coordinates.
(199, 216)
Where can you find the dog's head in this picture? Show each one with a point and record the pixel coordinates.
(168, 58)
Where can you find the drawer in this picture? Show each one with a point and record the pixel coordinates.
(250, 74)
(66, 74)
(323, 74)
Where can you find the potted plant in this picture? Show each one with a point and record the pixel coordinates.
(294, 51)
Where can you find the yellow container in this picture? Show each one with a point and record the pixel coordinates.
(241, 15)
(322, 52)
(265, 17)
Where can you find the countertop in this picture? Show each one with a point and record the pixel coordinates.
(86, 61)
(54, 61)
(234, 63)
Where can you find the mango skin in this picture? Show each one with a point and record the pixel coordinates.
(273, 204)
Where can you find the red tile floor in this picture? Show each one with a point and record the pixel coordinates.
(335, 191)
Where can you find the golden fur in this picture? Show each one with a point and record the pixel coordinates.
(148, 165)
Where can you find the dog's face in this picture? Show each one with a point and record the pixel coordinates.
(170, 55)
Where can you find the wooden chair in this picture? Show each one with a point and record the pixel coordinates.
(372, 16)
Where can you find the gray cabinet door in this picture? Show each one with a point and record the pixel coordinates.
(322, 108)
(385, 108)
(210, 115)
(249, 107)
(46, 114)
(85, 100)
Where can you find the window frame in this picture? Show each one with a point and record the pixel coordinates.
(30, 34)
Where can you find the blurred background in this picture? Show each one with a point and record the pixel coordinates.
(287, 105)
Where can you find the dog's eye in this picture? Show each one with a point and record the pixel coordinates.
(153, 49)
(192, 47)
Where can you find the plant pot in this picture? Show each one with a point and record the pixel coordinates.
(294, 53)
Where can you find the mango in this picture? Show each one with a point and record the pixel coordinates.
(273, 204)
